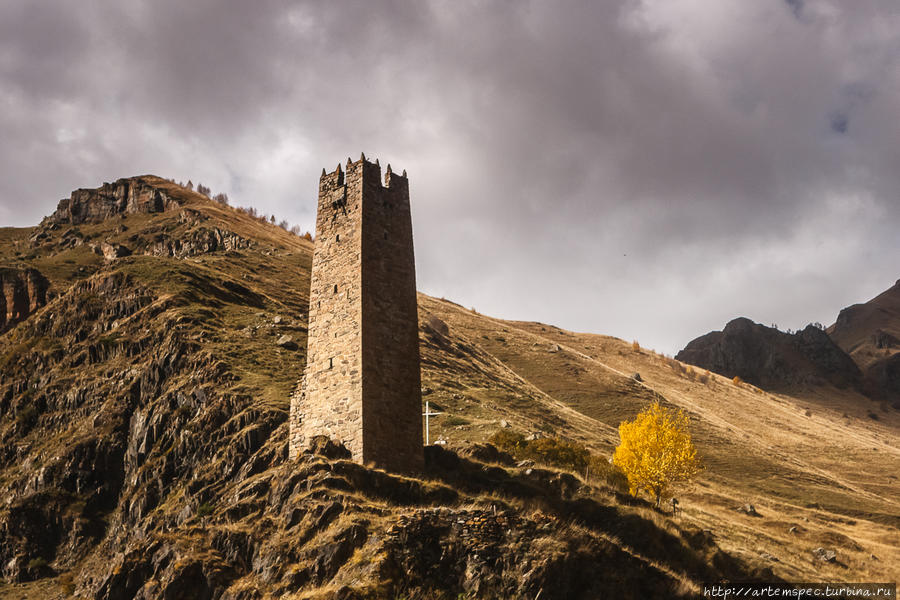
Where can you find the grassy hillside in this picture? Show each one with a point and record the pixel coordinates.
(819, 462)
(143, 444)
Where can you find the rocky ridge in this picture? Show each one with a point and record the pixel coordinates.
(769, 358)
(860, 351)
(124, 196)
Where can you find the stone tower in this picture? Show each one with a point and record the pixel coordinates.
(362, 384)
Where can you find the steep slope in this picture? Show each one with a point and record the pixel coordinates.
(772, 359)
(870, 331)
(143, 437)
(870, 334)
(817, 464)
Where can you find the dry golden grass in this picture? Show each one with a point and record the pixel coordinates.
(812, 459)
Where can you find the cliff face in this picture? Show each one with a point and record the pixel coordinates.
(870, 334)
(869, 331)
(770, 358)
(125, 196)
(22, 291)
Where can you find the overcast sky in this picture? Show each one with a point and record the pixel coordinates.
(645, 169)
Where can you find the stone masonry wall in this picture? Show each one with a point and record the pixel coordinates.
(392, 397)
(361, 385)
(330, 400)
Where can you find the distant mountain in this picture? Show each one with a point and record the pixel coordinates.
(773, 359)
(870, 334)
(861, 351)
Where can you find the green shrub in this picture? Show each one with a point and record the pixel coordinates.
(508, 440)
(205, 509)
(563, 454)
(601, 469)
(558, 452)
(37, 563)
(453, 421)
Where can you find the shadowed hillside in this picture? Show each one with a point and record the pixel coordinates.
(772, 359)
(146, 373)
(870, 333)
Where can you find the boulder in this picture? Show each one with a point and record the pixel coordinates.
(825, 554)
(438, 326)
(748, 509)
(286, 342)
(114, 251)
(322, 445)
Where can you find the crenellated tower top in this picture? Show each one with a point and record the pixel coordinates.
(367, 170)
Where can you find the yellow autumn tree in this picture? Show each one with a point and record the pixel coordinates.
(656, 451)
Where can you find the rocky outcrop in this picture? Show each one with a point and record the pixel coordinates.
(867, 330)
(130, 195)
(883, 340)
(437, 325)
(21, 293)
(112, 251)
(870, 334)
(198, 241)
(770, 358)
(882, 379)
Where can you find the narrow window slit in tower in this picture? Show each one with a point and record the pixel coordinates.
(330, 363)
(335, 288)
(337, 238)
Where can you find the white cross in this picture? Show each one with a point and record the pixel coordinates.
(428, 414)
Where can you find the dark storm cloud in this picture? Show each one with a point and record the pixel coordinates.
(796, 7)
(636, 168)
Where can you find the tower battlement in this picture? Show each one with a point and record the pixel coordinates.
(391, 180)
(362, 385)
